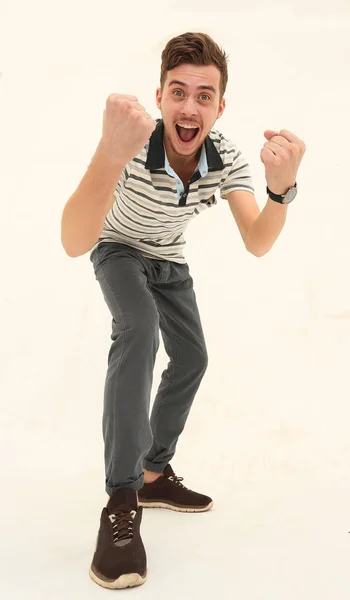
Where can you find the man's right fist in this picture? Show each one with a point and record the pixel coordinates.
(126, 128)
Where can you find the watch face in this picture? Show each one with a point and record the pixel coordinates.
(290, 195)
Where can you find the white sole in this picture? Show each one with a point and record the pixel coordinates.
(172, 507)
(124, 581)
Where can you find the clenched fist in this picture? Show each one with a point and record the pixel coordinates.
(126, 128)
(281, 156)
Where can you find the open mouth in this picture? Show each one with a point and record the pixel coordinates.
(188, 135)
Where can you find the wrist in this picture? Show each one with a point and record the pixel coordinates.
(280, 191)
(285, 198)
(107, 156)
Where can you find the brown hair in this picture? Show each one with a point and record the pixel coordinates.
(195, 48)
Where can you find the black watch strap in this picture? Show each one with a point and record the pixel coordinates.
(277, 197)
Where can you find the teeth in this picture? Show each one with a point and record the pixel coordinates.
(188, 126)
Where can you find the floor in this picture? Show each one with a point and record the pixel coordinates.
(286, 539)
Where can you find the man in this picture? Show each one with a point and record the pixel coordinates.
(145, 182)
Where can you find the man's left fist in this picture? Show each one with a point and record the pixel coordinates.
(281, 156)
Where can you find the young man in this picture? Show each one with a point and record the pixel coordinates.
(145, 182)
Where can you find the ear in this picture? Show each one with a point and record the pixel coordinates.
(222, 107)
(158, 97)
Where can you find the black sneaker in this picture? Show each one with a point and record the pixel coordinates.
(120, 557)
(168, 492)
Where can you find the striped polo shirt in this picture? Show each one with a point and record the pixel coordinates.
(152, 209)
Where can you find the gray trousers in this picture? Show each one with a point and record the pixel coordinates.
(144, 295)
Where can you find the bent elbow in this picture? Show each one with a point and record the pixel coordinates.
(257, 253)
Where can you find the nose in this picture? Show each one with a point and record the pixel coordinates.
(188, 107)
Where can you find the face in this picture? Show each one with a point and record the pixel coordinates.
(185, 103)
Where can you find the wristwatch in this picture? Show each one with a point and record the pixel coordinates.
(284, 198)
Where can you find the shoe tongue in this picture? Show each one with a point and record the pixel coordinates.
(168, 472)
(125, 500)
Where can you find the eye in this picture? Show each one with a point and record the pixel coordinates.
(201, 94)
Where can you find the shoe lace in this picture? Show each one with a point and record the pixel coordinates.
(177, 480)
(123, 523)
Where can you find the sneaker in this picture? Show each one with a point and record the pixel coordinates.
(120, 559)
(168, 492)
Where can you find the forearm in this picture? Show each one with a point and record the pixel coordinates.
(84, 214)
(266, 228)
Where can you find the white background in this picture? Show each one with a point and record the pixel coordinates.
(268, 434)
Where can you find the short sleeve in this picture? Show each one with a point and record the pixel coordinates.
(239, 176)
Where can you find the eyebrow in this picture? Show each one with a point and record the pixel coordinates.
(199, 87)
